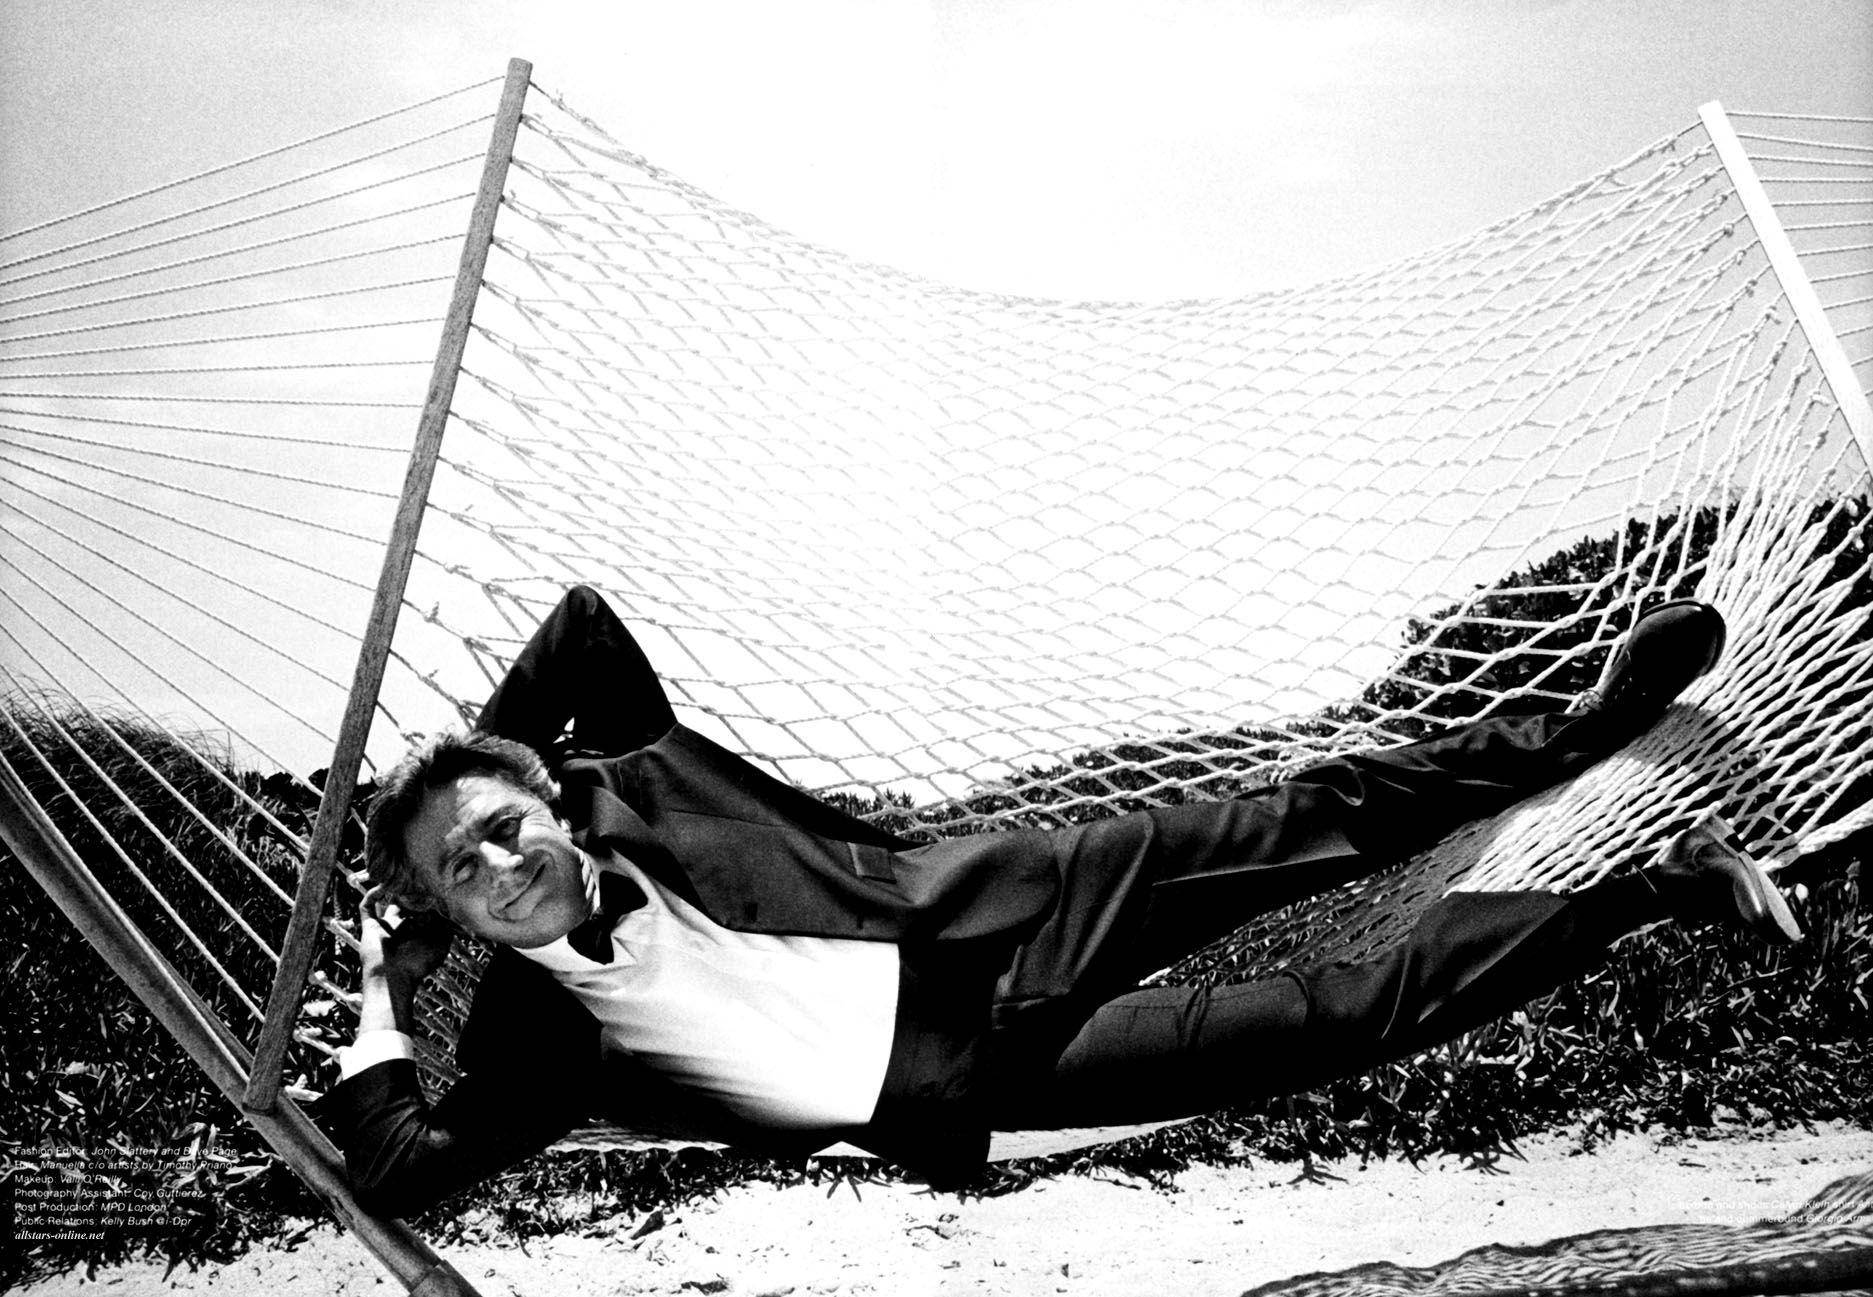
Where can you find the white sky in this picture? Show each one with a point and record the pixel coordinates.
(1070, 148)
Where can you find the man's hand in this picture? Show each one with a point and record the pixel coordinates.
(402, 946)
(399, 952)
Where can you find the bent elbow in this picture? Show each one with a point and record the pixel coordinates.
(390, 1190)
(405, 1170)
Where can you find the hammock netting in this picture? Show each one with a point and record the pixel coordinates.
(961, 560)
(980, 561)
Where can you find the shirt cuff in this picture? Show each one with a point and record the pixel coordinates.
(379, 1045)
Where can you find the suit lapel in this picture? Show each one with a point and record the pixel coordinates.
(611, 825)
(610, 822)
(521, 1018)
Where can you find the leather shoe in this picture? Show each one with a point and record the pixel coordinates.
(1704, 876)
(1668, 647)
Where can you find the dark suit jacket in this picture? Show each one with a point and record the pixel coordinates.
(755, 855)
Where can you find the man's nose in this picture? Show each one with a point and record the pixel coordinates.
(504, 866)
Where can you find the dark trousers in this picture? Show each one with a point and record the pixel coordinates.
(1077, 1042)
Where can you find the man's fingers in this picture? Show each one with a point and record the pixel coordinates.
(423, 925)
(393, 916)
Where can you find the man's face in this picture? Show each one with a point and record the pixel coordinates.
(501, 864)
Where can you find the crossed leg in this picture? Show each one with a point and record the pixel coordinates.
(1175, 1051)
(1076, 1042)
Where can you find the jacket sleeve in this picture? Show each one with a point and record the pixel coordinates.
(580, 668)
(404, 1155)
(529, 1057)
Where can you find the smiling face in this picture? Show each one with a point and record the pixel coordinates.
(499, 863)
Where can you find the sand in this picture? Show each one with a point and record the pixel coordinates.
(1222, 1229)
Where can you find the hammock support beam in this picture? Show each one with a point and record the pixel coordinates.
(56, 866)
(300, 948)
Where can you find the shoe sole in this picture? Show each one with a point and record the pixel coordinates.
(1759, 901)
(1758, 896)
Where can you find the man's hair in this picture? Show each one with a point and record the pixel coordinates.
(432, 764)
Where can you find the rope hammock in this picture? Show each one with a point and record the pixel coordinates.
(963, 560)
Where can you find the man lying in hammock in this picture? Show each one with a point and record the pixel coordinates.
(694, 949)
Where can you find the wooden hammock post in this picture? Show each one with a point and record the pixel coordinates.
(36, 842)
(1836, 369)
(302, 933)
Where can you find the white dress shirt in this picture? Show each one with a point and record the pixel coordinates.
(784, 1031)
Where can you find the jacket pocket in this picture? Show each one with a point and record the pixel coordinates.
(871, 862)
(761, 878)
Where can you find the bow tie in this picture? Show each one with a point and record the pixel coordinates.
(617, 896)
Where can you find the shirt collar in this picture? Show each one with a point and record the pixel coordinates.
(558, 956)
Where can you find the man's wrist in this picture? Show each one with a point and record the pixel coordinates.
(373, 1046)
(395, 980)
(388, 999)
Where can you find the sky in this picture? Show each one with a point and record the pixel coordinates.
(1074, 149)
(1065, 148)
